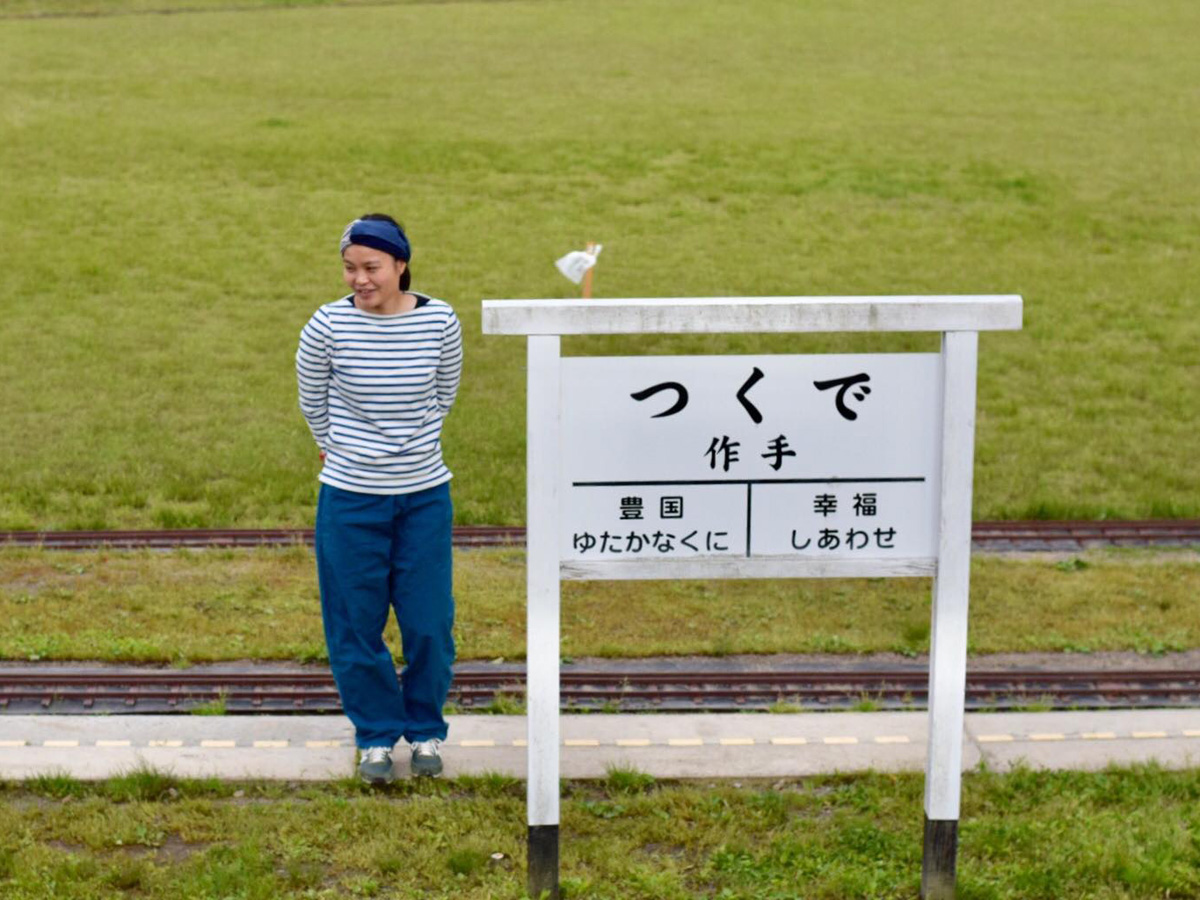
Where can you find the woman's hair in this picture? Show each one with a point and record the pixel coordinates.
(406, 276)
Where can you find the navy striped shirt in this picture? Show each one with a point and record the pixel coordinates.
(374, 390)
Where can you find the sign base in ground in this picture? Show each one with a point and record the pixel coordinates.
(938, 863)
(543, 861)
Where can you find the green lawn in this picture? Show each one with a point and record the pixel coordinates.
(174, 186)
(1122, 833)
(195, 607)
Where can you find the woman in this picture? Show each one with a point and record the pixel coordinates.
(378, 372)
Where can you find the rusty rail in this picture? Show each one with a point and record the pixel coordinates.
(1026, 535)
(50, 689)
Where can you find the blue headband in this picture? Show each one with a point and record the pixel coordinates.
(379, 235)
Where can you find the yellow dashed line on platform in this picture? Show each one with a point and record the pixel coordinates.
(778, 741)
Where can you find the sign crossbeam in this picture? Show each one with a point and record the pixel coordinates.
(714, 315)
(921, 419)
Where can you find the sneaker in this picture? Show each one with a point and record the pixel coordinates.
(376, 765)
(426, 759)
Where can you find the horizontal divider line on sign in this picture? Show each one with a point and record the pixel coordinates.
(747, 481)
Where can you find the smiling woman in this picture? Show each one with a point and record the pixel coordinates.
(378, 371)
(375, 255)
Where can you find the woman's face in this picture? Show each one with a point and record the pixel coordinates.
(374, 276)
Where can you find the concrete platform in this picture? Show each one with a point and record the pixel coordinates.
(719, 745)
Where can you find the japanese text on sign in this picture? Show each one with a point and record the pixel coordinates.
(804, 456)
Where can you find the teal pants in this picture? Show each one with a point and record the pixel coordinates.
(376, 553)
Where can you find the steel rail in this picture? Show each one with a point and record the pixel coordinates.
(135, 677)
(40, 689)
(464, 536)
(1037, 534)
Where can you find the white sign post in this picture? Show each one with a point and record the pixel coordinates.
(751, 466)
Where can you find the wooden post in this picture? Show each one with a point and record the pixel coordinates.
(948, 638)
(587, 276)
(543, 416)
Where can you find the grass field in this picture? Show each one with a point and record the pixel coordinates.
(195, 607)
(1123, 833)
(174, 186)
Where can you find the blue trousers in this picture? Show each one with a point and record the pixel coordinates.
(377, 552)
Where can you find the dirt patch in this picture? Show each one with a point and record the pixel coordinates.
(24, 801)
(63, 846)
(675, 851)
(175, 849)
(30, 585)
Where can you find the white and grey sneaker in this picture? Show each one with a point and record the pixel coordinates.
(426, 758)
(375, 767)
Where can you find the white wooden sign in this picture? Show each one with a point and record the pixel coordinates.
(804, 457)
(682, 467)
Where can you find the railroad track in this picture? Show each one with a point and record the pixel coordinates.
(466, 536)
(995, 536)
(47, 689)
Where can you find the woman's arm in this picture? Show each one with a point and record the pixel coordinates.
(450, 364)
(313, 369)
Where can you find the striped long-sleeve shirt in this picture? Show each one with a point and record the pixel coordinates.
(374, 390)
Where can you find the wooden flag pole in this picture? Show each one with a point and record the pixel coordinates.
(587, 276)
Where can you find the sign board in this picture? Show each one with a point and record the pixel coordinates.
(751, 466)
(822, 457)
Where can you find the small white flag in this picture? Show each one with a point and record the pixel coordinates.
(576, 263)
